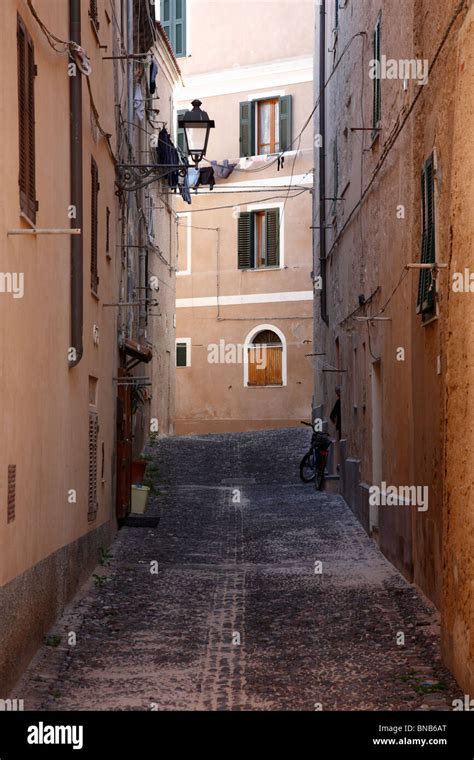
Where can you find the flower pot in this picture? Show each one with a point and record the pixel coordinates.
(138, 470)
(139, 499)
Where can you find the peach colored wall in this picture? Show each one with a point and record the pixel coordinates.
(45, 404)
(243, 32)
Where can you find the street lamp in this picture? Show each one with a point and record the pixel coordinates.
(197, 126)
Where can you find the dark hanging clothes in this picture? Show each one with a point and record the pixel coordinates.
(335, 416)
(153, 73)
(167, 156)
(206, 177)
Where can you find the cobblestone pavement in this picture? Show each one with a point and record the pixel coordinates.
(237, 616)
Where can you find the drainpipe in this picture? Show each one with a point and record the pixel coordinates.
(322, 159)
(75, 116)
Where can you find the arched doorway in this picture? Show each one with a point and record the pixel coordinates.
(266, 358)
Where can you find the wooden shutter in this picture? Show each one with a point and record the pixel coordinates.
(93, 13)
(247, 128)
(173, 19)
(245, 240)
(272, 237)
(92, 504)
(26, 121)
(165, 17)
(286, 117)
(107, 231)
(426, 286)
(94, 225)
(179, 27)
(11, 494)
(377, 92)
(273, 369)
(265, 365)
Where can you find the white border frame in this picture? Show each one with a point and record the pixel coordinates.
(188, 351)
(248, 343)
(187, 215)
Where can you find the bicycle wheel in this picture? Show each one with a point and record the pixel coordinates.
(307, 468)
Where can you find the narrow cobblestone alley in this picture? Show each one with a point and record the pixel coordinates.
(230, 571)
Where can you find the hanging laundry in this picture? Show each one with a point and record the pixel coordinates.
(184, 188)
(139, 103)
(167, 156)
(206, 177)
(223, 169)
(193, 177)
(153, 75)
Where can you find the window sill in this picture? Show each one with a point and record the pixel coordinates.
(280, 385)
(27, 219)
(260, 269)
(95, 295)
(433, 318)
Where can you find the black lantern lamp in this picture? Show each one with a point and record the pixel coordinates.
(197, 126)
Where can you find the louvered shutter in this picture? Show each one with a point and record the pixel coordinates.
(272, 237)
(426, 286)
(377, 92)
(245, 240)
(94, 225)
(286, 118)
(247, 128)
(93, 13)
(180, 27)
(165, 17)
(92, 504)
(26, 122)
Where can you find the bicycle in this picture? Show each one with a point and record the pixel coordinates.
(313, 464)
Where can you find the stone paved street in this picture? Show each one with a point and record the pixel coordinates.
(231, 570)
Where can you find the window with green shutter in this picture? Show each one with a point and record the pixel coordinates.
(26, 122)
(265, 126)
(377, 82)
(426, 302)
(173, 19)
(259, 239)
(181, 354)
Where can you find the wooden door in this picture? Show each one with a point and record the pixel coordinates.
(124, 450)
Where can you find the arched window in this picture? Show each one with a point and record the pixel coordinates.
(265, 359)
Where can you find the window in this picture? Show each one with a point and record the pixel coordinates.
(26, 122)
(377, 92)
(259, 239)
(426, 303)
(92, 492)
(336, 14)
(183, 352)
(11, 494)
(268, 130)
(265, 126)
(107, 232)
(335, 172)
(173, 19)
(95, 187)
(180, 139)
(93, 13)
(265, 360)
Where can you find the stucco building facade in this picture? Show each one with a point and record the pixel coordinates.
(244, 293)
(77, 304)
(393, 150)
